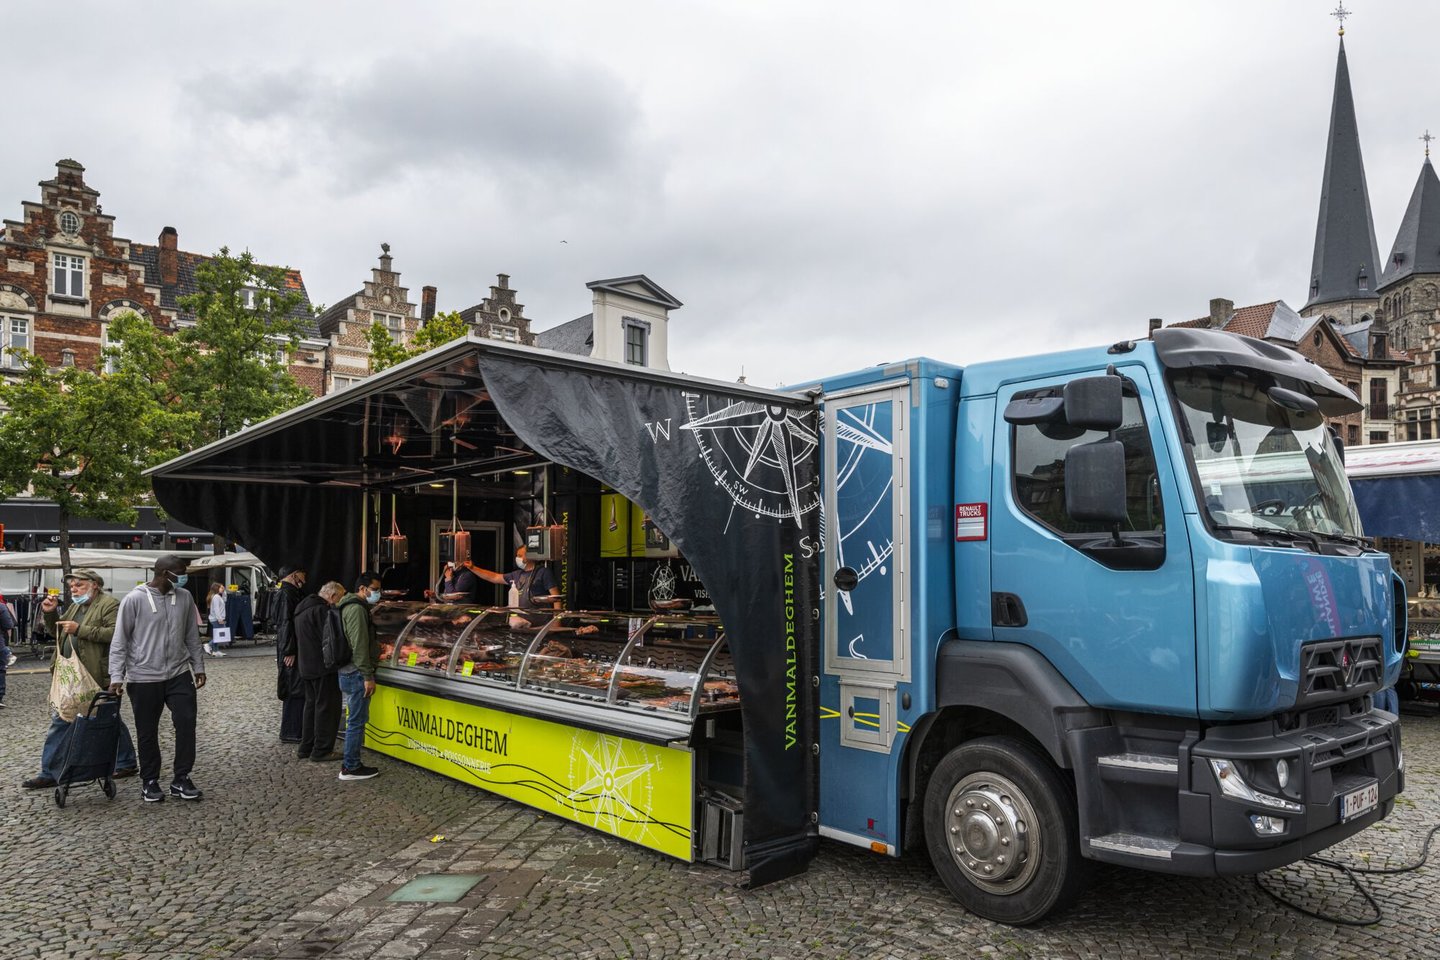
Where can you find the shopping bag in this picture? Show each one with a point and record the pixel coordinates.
(219, 635)
(71, 686)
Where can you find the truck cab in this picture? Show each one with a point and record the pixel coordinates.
(1102, 605)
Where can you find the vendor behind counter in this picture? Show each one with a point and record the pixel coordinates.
(535, 583)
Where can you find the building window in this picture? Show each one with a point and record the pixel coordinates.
(282, 357)
(248, 297)
(69, 276)
(338, 382)
(636, 344)
(69, 223)
(499, 332)
(1352, 434)
(1379, 408)
(107, 362)
(14, 335)
(394, 324)
(1379, 436)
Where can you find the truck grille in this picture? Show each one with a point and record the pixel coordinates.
(1333, 670)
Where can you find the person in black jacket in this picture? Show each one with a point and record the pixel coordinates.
(321, 719)
(288, 686)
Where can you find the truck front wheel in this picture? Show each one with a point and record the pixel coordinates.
(1001, 827)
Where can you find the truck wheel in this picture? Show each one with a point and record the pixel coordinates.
(1000, 823)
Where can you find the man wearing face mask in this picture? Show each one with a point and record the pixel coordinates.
(155, 652)
(535, 583)
(85, 628)
(357, 678)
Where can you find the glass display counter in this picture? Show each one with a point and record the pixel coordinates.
(391, 617)
(675, 664)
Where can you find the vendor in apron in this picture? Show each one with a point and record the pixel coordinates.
(532, 586)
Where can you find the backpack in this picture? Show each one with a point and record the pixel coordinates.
(334, 645)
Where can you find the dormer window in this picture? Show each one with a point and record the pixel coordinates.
(1363, 280)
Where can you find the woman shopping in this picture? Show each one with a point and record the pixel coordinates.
(216, 602)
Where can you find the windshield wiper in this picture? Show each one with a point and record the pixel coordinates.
(1278, 533)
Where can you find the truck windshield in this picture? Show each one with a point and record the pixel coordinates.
(1261, 466)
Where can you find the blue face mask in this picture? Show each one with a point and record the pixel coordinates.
(181, 579)
(84, 599)
(373, 596)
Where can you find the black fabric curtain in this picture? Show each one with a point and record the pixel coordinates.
(315, 527)
(734, 483)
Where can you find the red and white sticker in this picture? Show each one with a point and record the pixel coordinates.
(971, 521)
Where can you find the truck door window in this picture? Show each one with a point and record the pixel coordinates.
(1038, 463)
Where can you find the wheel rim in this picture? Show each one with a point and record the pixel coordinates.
(990, 831)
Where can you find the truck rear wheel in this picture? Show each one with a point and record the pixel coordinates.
(1001, 826)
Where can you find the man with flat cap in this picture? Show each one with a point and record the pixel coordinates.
(85, 629)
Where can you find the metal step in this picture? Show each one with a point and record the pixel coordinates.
(1157, 848)
(1149, 762)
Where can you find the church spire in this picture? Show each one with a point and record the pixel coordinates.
(1417, 243)
(1346, 263)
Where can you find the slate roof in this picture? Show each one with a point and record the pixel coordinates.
(575, 336)
(1356, 338)
(148, 255)
(1417, 242)
(335, 313)
(1345, 232)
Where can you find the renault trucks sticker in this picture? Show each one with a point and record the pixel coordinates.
(970, 521)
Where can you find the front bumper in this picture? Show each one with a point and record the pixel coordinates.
(1331, 751)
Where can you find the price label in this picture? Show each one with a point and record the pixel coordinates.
(467, 668)
(410, 660)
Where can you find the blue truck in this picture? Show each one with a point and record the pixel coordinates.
(1107, 605)
(1110, 605)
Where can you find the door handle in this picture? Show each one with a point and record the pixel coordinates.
(846, 578)
(1007, 610)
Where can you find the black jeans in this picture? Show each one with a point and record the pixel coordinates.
(151, 698)
(321, 720)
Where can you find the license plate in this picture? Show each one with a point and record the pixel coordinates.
(1358, 802)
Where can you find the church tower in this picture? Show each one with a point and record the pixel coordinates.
(1345, 271)
(1410, 306)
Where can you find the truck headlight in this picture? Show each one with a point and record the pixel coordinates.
(1282, 773)
(1232, 784)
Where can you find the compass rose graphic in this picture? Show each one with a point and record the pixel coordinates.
(615, 790)
(662, 584)
(863, 484)
(756, 451)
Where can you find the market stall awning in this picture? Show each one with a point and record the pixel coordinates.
(1397, 489)
(727, 471)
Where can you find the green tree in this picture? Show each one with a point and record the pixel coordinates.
(83, 438)
(230, 368)
(438, 331)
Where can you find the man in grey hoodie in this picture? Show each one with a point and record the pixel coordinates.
(155, 651)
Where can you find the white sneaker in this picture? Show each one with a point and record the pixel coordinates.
(219, 653)
(11, 661)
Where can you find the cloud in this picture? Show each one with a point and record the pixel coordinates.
(477, 109)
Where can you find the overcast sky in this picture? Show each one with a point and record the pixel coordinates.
(824, 185)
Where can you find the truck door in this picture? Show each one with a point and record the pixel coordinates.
(1118, 621)
(866, 588)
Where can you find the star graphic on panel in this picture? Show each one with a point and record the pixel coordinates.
(609, 777)
(755, 435)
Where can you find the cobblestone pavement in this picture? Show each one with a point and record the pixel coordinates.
(280, 860)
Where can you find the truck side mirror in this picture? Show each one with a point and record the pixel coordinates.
(1339, 443)
(1095, 482)
(1093, 403)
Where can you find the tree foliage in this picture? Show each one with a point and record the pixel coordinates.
(438, 331)
(230, 368)
(83, 438)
